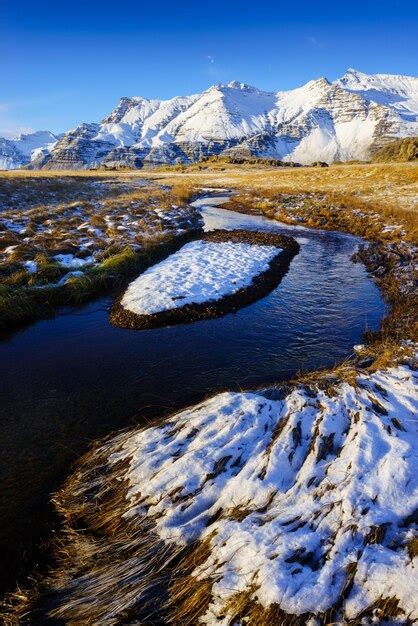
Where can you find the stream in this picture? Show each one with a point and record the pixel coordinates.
(69, 380)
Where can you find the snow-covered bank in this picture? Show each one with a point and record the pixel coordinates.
(297, 497)
(206, 278)
(251, 508)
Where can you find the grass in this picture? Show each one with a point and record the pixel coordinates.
(389, 189)
(400, 150)
(114, 220)
(114, 566)
(357, 198)
(361, 199)
(19, 306)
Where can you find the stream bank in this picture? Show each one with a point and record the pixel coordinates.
(75, 378)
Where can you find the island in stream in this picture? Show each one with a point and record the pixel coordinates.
(209, 277)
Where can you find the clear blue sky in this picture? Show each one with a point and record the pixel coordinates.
(67, 61)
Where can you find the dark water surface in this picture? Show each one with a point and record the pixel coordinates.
(69, 380)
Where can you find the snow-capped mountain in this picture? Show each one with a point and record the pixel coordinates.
(322, 120)
(19, 151)
(397, 92)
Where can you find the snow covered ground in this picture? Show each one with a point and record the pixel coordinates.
(78, 226)
(304, 500)
(201, 271)
(71, 261)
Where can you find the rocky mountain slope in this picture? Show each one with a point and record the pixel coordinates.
(399, 150)
(397, 92)
(343, 120)
(19, 151)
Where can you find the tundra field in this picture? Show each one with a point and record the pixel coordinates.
(66, 237)
(389, 188)
(293, 505)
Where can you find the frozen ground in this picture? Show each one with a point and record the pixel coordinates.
(73, 224)
(201, 271)
(305, 501)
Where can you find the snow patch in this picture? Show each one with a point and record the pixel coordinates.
(69, 260)
(292, 494)
(201, 271)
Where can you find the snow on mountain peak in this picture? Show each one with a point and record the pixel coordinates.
(399, 93)
(21, 149)
(235, 84)
(354, 72)
(317, 121)
(319, 82)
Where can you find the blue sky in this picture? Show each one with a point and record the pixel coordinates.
(69, 61)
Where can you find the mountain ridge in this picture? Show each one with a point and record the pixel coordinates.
(341, 120)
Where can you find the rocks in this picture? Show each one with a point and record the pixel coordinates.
(364, 362)
(77, 149)
(122, 157)
(382, 258)
(238, 121)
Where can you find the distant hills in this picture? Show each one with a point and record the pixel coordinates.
(353, 117)
(398, 150)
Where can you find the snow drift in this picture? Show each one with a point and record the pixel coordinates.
(281, 505)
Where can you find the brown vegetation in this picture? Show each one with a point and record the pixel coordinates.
(400, 150)
(97, 548)
(107, 224)
(389, 189)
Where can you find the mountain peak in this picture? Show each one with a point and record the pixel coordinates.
(351, 70)
(236, 84)
(318, 83)
(302, 124)
(356, 75)
(36, 134)
(353, 75)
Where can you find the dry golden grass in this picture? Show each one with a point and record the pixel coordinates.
(389, 189)
(13, 174)
(106, 220)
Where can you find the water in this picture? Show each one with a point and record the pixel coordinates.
(72, 379)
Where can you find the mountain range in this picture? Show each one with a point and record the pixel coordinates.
(321, 121)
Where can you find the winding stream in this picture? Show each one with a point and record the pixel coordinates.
(74, 378)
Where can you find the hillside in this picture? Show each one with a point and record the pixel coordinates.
(22, 149)
(400, 150)
(321, 121)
